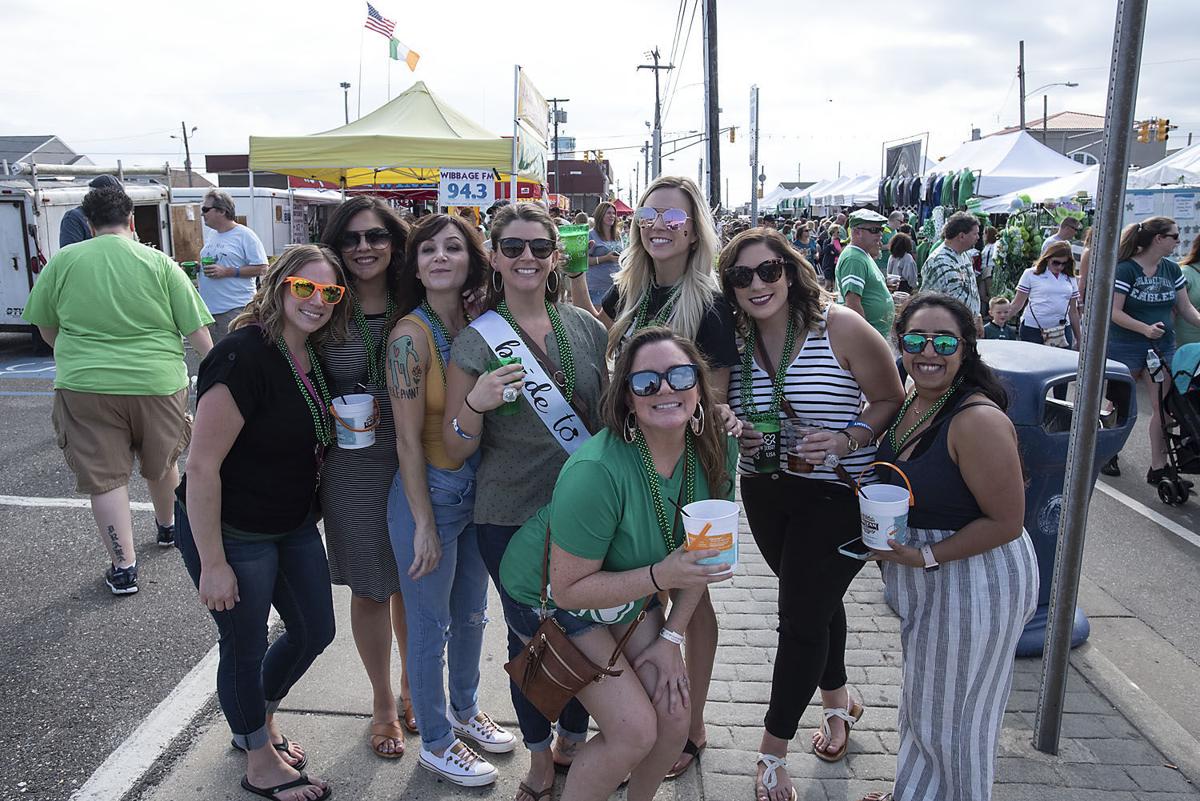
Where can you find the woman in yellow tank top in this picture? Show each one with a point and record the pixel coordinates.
(431, 507)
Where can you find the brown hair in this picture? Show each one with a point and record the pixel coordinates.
(711, 442)
(806, 299)
(265, 309)
(1136, 237)
(1056, 251)
(602, 209)
(1193, 255)
(529, 212)
(409, 289)
(958, 223)
(221, 201)
(900, 245)
(990, 235)
(339, 221)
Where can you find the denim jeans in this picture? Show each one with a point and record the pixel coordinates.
(535, 729)
(446, 610)
(292, 575)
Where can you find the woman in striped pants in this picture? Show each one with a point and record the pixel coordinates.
(963, 578)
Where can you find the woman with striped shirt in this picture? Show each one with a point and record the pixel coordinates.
(804, 358)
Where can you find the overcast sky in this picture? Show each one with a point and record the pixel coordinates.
(114, 80)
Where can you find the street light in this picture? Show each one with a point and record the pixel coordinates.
(1027, 95)
(346, 99)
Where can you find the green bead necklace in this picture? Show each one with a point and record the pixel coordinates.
(375, 350)
(908, 402)
(322, 425)
(748, 344)
(666, 522)
(639, 320)
(565, 357)
(437, 323)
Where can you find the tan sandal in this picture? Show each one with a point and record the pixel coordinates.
(407, 715)
(381, 733)
(850, 715)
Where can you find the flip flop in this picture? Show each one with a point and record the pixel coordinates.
(382, 732)
(522, 787)
(877, 797)
(407, 716)
(273, 792)
(850, 715)
(772, 763)
(692, 750)
(284, 747)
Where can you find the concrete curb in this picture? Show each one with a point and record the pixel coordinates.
(1150, 719)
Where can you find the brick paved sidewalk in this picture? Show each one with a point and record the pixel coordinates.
(1101, 758)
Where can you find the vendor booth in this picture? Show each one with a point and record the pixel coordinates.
(1007, 163)
(1181, 167)
(1055, 190)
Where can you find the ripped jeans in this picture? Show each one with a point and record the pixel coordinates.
(448, 605)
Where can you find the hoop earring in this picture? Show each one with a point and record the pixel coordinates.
(697, 421)
(630, 431)
(553, 290)
(497, 282)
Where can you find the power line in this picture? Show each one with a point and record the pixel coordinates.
(686, 41)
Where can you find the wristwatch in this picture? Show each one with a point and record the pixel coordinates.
(853, 443)
(931, 564)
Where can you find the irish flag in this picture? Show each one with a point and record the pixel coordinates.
(401, 53)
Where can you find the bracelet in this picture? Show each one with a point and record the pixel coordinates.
(671, 636)
(653, 580)
(467, 401)
(862, 424)
(458, 430)
(237, 272)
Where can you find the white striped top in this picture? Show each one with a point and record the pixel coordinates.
(819, 391)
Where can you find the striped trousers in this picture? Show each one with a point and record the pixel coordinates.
(959, 627)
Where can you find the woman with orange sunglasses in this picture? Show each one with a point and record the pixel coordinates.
(246, 509)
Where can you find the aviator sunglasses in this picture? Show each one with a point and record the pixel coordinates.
(673, 219)
(377, 239)
(681, 377)
(513, 247)
(943, 344)
(303, 289)
(742, 276)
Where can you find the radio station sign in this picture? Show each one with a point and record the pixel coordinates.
(466, 187)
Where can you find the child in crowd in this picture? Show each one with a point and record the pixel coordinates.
(999, 327)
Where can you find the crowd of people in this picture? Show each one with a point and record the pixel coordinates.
(544, 431)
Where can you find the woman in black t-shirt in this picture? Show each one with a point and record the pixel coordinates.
(246, 512)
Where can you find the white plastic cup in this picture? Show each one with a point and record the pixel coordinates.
(883, 509)
(713, 525)
(355, 417)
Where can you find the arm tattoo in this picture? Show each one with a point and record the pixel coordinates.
(404, 365)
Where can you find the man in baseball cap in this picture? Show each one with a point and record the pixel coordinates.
(859, 280)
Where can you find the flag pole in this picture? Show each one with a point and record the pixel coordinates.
(361, 33)
(389, 71)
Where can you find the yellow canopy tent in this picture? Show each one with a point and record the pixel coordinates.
(401, 143)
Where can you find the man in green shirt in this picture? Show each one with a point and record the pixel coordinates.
(860, 283)
(114, 310)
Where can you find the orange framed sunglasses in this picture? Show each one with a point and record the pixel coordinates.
(303, 289)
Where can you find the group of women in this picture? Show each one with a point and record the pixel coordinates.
(486, 465)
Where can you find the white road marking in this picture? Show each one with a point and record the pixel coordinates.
(1146, 511)
(69, 503)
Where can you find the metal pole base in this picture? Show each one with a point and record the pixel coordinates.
(1033, 639)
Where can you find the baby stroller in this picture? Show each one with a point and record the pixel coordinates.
(1181, 423)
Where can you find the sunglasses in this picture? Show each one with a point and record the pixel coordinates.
(303, 289)
(1174, 236)
(673, 219)
(513, 247)
(206, 209)
(681, 377)
(377, 239)
(873, 231)
(741, 276)
(1059, 262)
(943, 344)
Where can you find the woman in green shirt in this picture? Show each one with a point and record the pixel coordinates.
(615, 541)
(1185, 332)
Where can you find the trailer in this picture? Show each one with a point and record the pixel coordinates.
(280, 217)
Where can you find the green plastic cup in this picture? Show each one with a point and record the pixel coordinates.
(495, 363)
(189, 267)
(767, 458)
(575, 239)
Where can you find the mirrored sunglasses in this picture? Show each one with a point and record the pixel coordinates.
(943, 344)
(681, 377)
(673, 219)
(303, 289)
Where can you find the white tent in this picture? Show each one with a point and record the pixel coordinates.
(832, 195)
(771, 200)
(1182, 167)
(864, 190)
(816, 190)
(1007, 162)
(1056, 189)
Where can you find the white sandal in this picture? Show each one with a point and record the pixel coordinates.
(770, 781)
(850, 715)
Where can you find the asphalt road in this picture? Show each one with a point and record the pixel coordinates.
(80, 668)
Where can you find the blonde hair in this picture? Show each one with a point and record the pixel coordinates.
(698, 286)
(265, 309)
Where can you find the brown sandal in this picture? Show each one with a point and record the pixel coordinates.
(850, 715)
(381, 733)
(407, 715)
(522, 787)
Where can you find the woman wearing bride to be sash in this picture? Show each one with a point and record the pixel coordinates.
(522, 452)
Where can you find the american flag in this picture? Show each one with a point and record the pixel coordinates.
(379, 23)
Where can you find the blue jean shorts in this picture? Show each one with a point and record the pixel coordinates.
(524, 619)
(1133, 354)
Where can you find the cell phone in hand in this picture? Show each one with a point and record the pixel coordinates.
(856, 549)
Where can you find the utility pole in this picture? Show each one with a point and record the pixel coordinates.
(754, 155)
(1045, 115)
(657, 109)
(346, 99)
(556, 117)
(187, 150)
(648, 174)
(637, 186)
(712, 110)
(1021, 77)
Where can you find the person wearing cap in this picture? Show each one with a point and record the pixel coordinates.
(859, 281)
(75, 226)
(1067, 230)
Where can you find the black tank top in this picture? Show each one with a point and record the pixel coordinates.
(943, 500)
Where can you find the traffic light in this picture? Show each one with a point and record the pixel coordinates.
(732, 135)
(1164, 130)
(1143, 130)
(599, 155)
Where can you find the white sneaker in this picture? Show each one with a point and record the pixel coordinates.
(459, 764)
(484, 731)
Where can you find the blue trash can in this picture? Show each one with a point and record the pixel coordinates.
(1031, 373)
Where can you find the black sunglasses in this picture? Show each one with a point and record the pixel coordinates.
(741, 276)
(513, 247)
(681, 377)
(206, 209)
(943, 344)
(377, 239)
